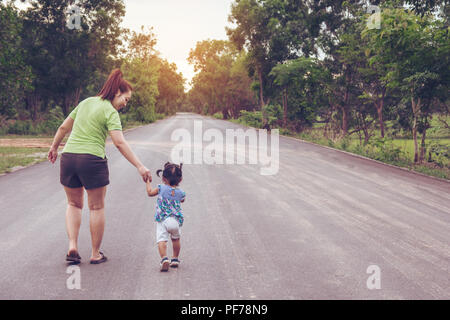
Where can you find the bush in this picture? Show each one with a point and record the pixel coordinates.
(331, 143)
(386, 151)
(49, 125)
(52, 121)
(345, 142)
(123, 119)
(286, 132)
(274, 114)
(21, 127)
(439, 153)
(160, 116)
(251, 118)
(218, 115)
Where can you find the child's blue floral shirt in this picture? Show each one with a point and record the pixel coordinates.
(169, 203)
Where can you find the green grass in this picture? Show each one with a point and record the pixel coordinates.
(407, 145)
(399, 152)
(6, 151)
(435, 172)
(25, 136)
(11, 157)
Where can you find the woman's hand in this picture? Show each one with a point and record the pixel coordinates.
(63, 129)
(52, 154)
(145, 174)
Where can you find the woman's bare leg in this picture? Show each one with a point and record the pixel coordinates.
(73, 215)
(96, 200)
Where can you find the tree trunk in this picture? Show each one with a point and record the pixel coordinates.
(261, 93)
(414, 132)
(285, 108)
(416, 108)
(77, 97)
(379, 107)
(70, 99)
(366, 133)
(33, 101)
(261, 100)
(422, 145)
(345, 112)
(344, 121)
(225, 113)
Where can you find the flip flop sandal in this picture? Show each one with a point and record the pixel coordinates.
(103, 259)
(73, 257)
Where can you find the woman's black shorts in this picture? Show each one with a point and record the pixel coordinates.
(83, 170)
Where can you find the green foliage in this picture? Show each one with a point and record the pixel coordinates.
(53, 120)
(15, 75)
(251, 118)
(388, 152)
(218, 115)
(65, 61)
(440, 154)
(345, 142)
(255, 119)
(301, 84)
(48, 125)
(124, 118)
(274, 114)
(22, 127)
(142, 70)
(221, 84)
(170, 88)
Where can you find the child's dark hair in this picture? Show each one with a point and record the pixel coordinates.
(172, 172)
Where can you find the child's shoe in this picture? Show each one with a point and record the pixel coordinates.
(164, 264)
(174, 263)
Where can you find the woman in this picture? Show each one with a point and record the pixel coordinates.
(83, 161)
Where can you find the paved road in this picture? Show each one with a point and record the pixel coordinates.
(309, 232)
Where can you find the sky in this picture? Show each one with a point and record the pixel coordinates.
(179, 25)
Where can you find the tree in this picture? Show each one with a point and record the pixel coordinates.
(221, 84)
(261, 29)
(141, 67)
(15, 75)
(170, 88)
(303, 78)
(418, 67)
(239, 90)
(64, 60)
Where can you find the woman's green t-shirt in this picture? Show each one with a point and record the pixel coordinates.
(93, 118)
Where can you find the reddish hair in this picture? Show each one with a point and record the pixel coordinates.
(114, 83)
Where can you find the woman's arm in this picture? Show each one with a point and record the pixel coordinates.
(63, 129)
(121, 144)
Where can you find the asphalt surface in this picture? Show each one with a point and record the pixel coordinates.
(310, 231)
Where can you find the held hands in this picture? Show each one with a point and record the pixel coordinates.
(52, 155)
(145, 174)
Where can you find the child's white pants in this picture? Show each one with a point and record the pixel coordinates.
(169, 226)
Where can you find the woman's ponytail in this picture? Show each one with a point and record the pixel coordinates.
(114, 83)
